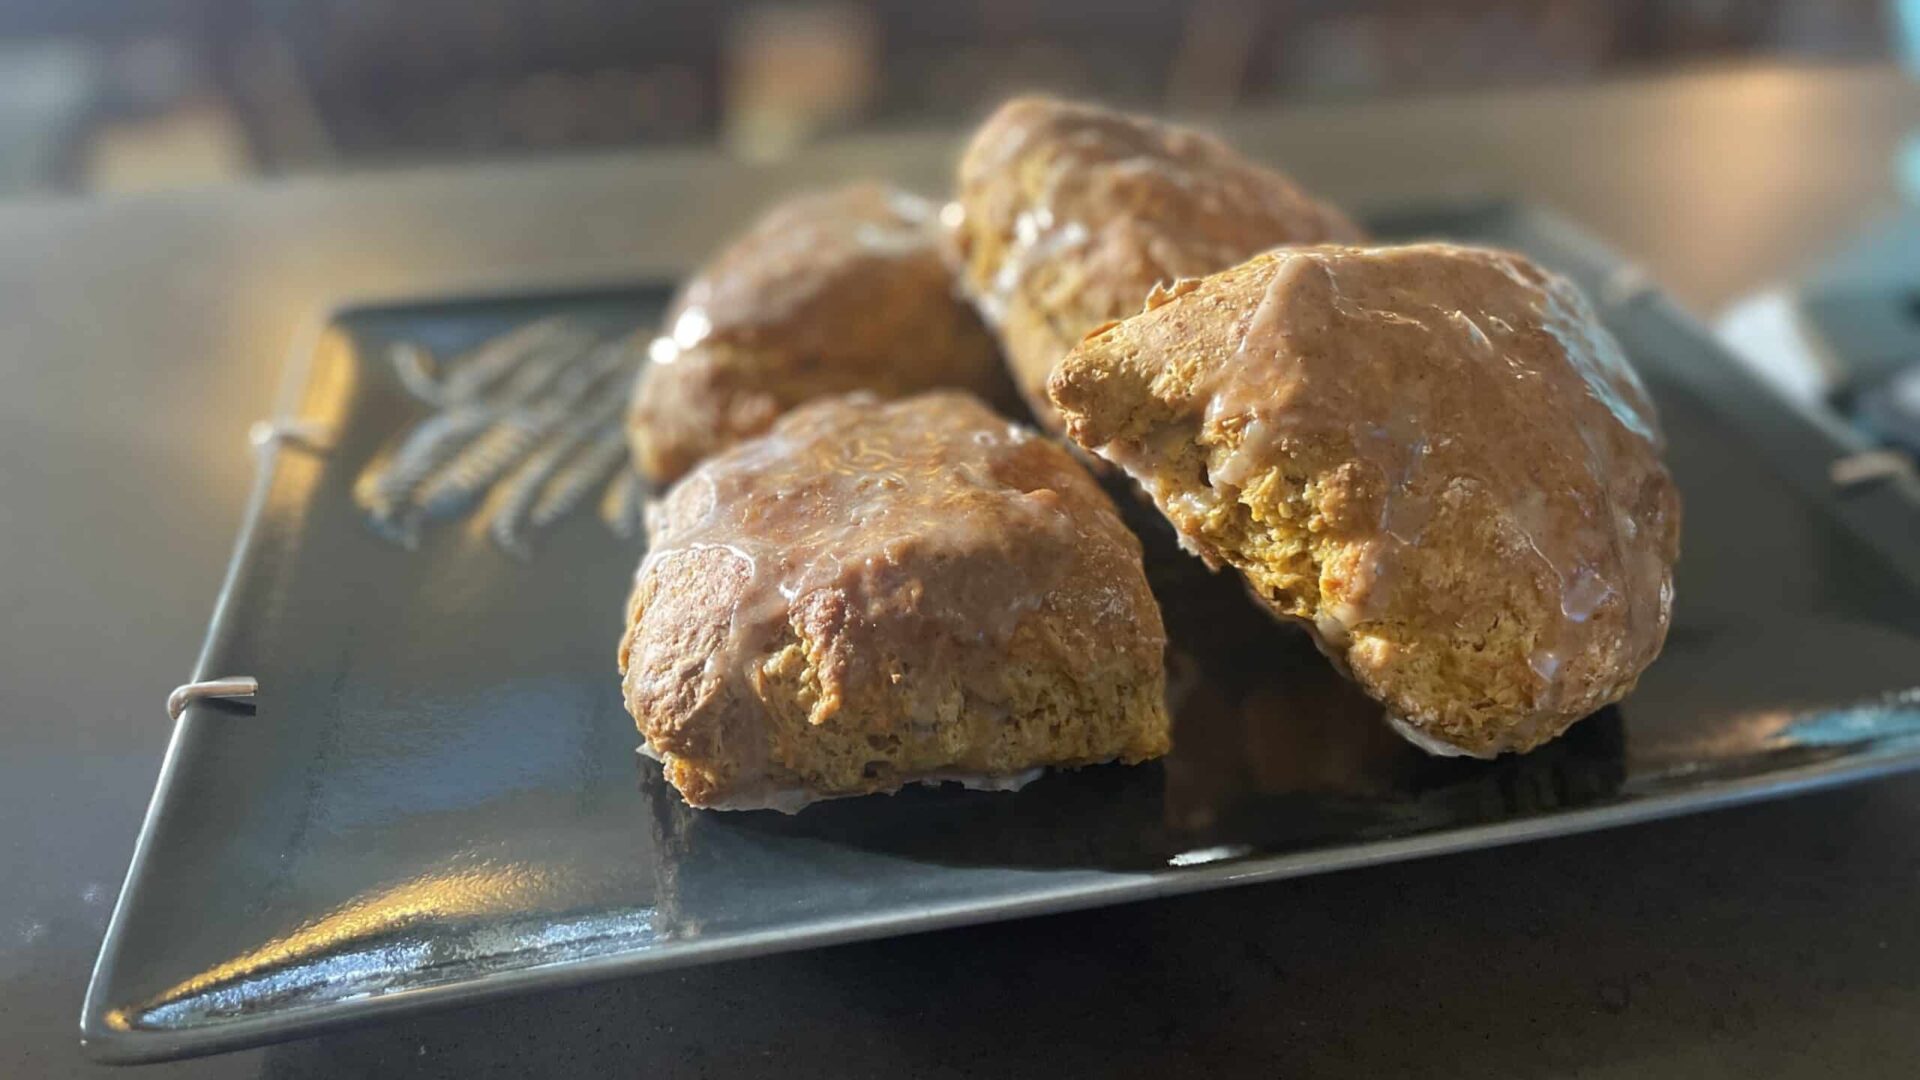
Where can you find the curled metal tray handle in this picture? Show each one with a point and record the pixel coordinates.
(1627, 286)
(313, 436)
(1857, 470)
(231, 688)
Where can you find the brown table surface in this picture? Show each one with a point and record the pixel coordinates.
(140, 336)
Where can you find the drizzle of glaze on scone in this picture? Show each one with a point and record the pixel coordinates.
(828, 293)
(1068, 214)
(1433, 455)
(877, 593)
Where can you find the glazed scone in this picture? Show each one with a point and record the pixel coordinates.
(829, 293)
(1067, 215)
(877, 593)
(1434, 456)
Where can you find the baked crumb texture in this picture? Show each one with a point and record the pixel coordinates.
(1067, 214)
(829, 293)
(877, 593)
(1433, 456)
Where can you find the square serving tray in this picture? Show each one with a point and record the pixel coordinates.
(435, 796)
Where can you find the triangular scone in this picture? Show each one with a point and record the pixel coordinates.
(873, 594)
(1434, 456)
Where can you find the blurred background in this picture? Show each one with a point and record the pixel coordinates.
(110, 96)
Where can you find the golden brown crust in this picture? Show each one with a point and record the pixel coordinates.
(828, 293)
(1071, 213)
(875, 593)
(1433, 455)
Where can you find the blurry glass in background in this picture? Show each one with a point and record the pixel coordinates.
(100, 95)
(793, 70)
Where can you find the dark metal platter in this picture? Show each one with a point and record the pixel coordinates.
(435, 796)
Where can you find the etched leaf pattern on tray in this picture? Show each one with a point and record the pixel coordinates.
(525, 428)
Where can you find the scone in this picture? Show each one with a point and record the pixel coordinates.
(1434, 456)
(878, 593)
(1067, 215)
(829, 293)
